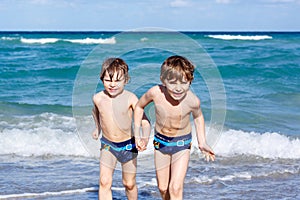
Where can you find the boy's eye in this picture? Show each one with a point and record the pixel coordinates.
(175, 82)
(117, 80)
(172, 81)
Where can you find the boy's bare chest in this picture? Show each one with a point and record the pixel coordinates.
(116, 108)
(175, 112)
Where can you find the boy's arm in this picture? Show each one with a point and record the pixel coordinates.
(96, 116)
(140, 119)
(200, 132)
(146, 128)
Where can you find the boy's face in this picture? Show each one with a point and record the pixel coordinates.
(115, 85)
(177, 89)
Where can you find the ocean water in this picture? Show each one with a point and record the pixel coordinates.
(248, 83)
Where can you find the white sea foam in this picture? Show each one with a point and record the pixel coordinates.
(241, 37)
(144, 39)
(39, 40)
(40, 141)
(52, 134)
(111, 40)
(94, 41)
(266, 145)
(245, 175)
(152, 182)
(45, 134)
(58, 193)
(229, 177)
(9, 38)
(45, 194)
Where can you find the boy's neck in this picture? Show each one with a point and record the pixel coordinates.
(113, 96)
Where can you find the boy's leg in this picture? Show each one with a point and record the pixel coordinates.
(107, 165)
(129, 179)
(179, 166)
(162, 166)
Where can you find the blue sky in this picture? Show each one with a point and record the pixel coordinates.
(180, 15)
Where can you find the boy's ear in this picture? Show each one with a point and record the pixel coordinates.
(162, 81)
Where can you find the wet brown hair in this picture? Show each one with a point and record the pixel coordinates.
(178, 68)
(114, 65)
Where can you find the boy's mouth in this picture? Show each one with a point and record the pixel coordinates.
(112, 89)
(177, 94)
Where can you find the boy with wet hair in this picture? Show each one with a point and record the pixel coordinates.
(174, 103)
(113, 112)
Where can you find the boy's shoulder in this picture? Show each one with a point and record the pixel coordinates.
(128, 97)
(193, 99)
(98, 95)
(155, 90)
(192, 94)
(128, 94)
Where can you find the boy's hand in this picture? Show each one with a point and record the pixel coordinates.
(207, 152)
(141, 144)
(95, 134)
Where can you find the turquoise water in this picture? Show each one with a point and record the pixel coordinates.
(47, 80)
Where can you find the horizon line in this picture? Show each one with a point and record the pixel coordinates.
(216, 31)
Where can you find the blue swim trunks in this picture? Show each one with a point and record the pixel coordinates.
(123, 151)
(171, 145)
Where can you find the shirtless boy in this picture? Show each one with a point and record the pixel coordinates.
(174, 103)
(113, 112)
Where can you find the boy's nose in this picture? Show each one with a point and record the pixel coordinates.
(113, 84)
(177, 87)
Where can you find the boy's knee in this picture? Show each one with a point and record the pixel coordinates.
(129, 185)
(163, 189)
(176, 189)
(105, 182)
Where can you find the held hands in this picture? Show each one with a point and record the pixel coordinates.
(207, 152)
(141, 144)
